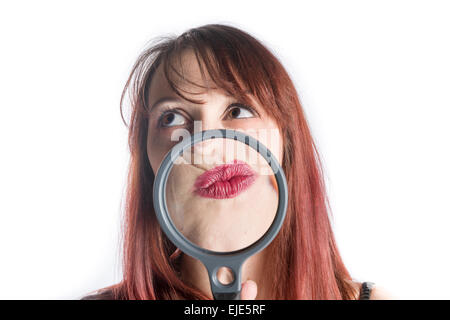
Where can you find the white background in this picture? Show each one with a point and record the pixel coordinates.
(374, 80)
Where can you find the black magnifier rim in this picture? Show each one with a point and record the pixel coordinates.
(160, 204)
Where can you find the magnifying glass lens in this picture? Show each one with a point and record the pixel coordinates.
(221, 195)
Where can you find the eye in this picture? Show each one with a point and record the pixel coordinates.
(170, 119)
(239, 111)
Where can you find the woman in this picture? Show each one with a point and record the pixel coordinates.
(225, 78)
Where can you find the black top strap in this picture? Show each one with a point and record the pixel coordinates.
(366, 289)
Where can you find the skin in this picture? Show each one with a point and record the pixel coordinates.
(380, 293)
(236, 222)
(222, 225)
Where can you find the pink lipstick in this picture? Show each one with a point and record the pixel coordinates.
(225, 181)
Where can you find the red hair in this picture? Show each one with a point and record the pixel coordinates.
(304, 253)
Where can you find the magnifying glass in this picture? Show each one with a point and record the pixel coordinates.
(220, 196)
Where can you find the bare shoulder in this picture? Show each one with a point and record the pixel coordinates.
(380, 293)
(99, 295)
(377, 292)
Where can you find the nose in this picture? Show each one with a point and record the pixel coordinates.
(208, 152)
(205, 147)
(204, 124)
(211, 149)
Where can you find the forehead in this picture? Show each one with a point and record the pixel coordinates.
(184, 72)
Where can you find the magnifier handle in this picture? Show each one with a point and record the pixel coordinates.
(227, 296)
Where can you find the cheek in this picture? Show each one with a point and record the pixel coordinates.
(157, 148)
(267, 133)
(279, 148)
(159, 143)
(274, 142)
(153, 156)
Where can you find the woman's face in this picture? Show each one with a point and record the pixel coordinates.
(239, 207)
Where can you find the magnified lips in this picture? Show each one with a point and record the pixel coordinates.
(225, 181)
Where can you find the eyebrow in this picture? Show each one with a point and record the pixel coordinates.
(163, 100)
